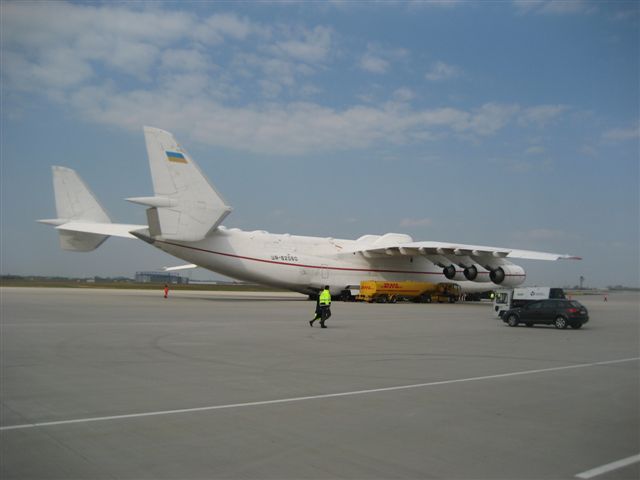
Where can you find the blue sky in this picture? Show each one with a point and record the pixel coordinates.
(511, 124)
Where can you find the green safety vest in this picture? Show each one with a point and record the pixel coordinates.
(325, 298)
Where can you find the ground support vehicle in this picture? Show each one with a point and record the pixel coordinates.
(506, 298)
(444, 293)
(391, 292)
(559, 312)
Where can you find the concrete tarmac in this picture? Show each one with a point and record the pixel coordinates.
(125, 384)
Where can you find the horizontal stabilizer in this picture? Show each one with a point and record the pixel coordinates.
(185, 205)
(109, 229)
(53, 221)
(80, 242)
(154, 201)
(180, 267)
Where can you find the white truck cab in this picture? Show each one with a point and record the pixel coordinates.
(506, 298)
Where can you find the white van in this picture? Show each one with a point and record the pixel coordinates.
(506, 298)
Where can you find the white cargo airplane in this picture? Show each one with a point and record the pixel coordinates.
(184, 217)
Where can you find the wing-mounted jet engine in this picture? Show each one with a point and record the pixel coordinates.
(508, 275)
(467, 269)
(452, 273)
(486, 265)
(475, 273)
(450, 268)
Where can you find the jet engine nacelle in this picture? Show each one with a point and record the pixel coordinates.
(508, 275)
(475, 273)
(452, 273)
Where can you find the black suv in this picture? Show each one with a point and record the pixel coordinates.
(560, 313)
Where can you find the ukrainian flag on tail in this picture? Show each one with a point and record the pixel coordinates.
(176, 157)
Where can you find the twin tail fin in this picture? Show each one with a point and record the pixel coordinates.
(185, 206)
(82, 223)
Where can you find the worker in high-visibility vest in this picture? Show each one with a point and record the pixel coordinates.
(323, 308)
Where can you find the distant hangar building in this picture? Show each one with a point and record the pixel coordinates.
(160, 277)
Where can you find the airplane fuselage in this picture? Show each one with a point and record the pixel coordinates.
(301, 263)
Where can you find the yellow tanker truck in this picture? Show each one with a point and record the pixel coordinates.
(423, 292)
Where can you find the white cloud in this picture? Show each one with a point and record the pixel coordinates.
(414, 4)
(542, 234)
(378, 59)
(311, 45)
(78, 59)
(216, 28)
(134, 58)
(273, 74)
(485, 120)
(60, 70)
(535, 150)
(270, 88)
(53, 38)
(293, 128)
(520, 166)
(416, 222)
(553, 7)
(403, 95)
(373, 64)
(541, 114)
(186, 84)
(517, 166)
(442, 71)
(626, 12)
(589, 151)
(45, 24)
(309, 90)
(527, 6)
(184, 59)
(622, 134)
(52, 47)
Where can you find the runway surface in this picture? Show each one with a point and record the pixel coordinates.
(125, 384)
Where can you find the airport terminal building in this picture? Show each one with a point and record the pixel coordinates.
(161, 277)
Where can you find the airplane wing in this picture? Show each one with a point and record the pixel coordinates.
(479, 263)
(434, 249)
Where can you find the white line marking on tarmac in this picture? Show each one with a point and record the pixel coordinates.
(609, 467)
(312, 397)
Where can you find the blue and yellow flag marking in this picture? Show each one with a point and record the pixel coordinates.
(176, 157)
